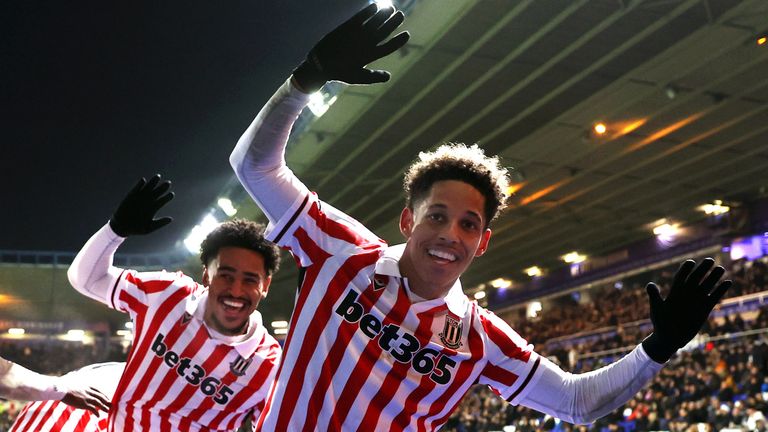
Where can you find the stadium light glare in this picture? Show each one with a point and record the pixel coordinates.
(129, 325)
(715, 209)
(573, 257)
(666, 230)
(533, 309)
(501, 283)
(280, 331)
(319, 103)
(279, 324)
(123, 333)
(762, 40)
(226, 206)
(15, 331)
(199, 232)
(479, 295)
(533, 271)
(600, 128)
(383, 3)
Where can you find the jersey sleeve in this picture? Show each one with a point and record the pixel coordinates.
(512, 365)
(134, 292)
(313, 230)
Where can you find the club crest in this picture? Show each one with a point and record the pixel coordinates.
(451, 335)
(240, 365)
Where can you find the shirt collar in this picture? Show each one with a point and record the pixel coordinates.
(389, 265)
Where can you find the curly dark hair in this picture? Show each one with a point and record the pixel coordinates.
(457, 161)
(245, 234)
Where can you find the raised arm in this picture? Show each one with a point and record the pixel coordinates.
(20, 383)
(583, 398)
(92, 272)
(259, 157)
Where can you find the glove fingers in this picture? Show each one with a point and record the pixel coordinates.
(359, 18)
(390, 46)
(152, 183)
(138, 186)
(719, 292)
(712, 279)
(389, 26)
(371, 26)
(697, 276)
(156, 224)
(163, 200)
(654, 297)
(161, 189)
(682, 274)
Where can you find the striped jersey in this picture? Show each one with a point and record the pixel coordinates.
(178, 377)
(56, 416)
(360, 355)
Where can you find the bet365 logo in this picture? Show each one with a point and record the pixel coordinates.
(403, 346)
(194, 374)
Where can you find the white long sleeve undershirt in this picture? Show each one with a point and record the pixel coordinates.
(20, 383)
(259, 163)
(92, 272)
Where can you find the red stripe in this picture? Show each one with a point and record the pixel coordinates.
(319, 257)
(155, 285)
(85, 418)
(426, 385)
(260, 379)
(140, 312)
(351, 267)
(20, 418)
(461, 381)
(39, 409)
(47, 412)
(171, 376)
(142, 351)
(500, 375)
(368, 358)
(114, 290)
(333, 228)
(502, 340)
(62, 418)
(219, 353)
(396, 373)
(333, 361)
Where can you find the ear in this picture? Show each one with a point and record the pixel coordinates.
(206, 277)
(486, 238)
(406, 222)
(265, 287)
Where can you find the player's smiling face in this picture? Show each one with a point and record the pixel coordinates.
(237, 281)
(445, 232)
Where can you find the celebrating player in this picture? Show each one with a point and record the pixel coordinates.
(201, 358)
(382, 337)
(20, 383)
(56, 416)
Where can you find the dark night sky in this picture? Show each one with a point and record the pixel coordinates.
(96, 94)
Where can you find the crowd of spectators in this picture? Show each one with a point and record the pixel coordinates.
(722, 384)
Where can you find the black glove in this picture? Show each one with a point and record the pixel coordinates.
(343, 53)
(136, 213)
(678, 318)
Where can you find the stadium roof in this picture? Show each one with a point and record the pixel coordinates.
(680, 86)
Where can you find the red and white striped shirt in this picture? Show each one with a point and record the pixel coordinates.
(360, 355)
(179, 377)
(56, 416)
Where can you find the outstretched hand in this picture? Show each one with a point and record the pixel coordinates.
(343, 53)
(677, 318)
(87, 398)
(136, 213)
